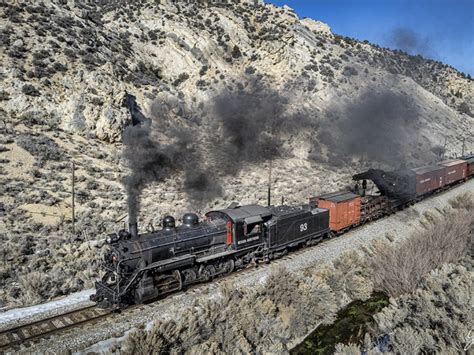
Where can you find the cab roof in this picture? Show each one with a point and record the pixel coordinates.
(248, 213)
(428, 169)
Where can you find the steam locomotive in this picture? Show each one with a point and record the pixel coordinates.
(140, 268)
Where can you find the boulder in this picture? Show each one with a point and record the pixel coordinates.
(112, 122)
(73, 114)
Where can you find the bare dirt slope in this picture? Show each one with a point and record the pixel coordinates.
(228, 88)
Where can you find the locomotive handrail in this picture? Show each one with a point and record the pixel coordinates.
(127, 286)
(118, 275)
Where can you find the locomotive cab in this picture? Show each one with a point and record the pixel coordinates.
(244, 224)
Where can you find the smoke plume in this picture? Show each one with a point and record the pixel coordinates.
(253, 125)
(244, 127)
(147, 160)
(409, 41)
(377, 126)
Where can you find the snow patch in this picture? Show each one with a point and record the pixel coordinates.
(104, 346)
(66, 302)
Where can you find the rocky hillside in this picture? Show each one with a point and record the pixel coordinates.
(220, 91)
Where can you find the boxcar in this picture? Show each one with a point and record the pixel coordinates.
(470, 165)
(429, 178)
(344, 209)
(456, 170)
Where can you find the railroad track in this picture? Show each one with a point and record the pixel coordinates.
(23, 335)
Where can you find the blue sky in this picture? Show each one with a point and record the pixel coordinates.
(438, 29)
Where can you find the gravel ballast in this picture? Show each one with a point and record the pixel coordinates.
(98, 336)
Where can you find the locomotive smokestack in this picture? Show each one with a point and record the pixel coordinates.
(133, 229)
(269, 192)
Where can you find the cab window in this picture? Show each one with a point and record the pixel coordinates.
(252, 229)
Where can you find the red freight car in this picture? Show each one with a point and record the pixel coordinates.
(429, 178)
(456, 170)
(344, 209)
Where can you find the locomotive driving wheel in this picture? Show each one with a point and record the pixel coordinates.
(208, 272)
(226, 266)
(189, 276)
(230, 266)
(169, 282)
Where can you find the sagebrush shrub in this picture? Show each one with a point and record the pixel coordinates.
(436, 318)
(41, 147)
(447, 239)
(264, 318)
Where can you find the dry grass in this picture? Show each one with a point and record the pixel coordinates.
(446, 238)
(350, 349)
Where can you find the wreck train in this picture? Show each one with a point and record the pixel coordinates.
(140, 268)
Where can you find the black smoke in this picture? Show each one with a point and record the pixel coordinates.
(242, 127)
(377, 126)
(148, 162)
(410, 42)
(245, 126)
(156, 149)
(253, 124)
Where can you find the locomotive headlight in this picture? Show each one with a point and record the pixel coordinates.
(115, 257)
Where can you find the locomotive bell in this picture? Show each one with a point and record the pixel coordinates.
(169, 222)
(190, 220)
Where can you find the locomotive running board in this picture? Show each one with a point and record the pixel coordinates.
(225, 253)
(171, 263)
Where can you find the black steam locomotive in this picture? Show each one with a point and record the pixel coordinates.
(143, 267)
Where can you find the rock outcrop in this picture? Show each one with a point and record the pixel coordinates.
(77, 57)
